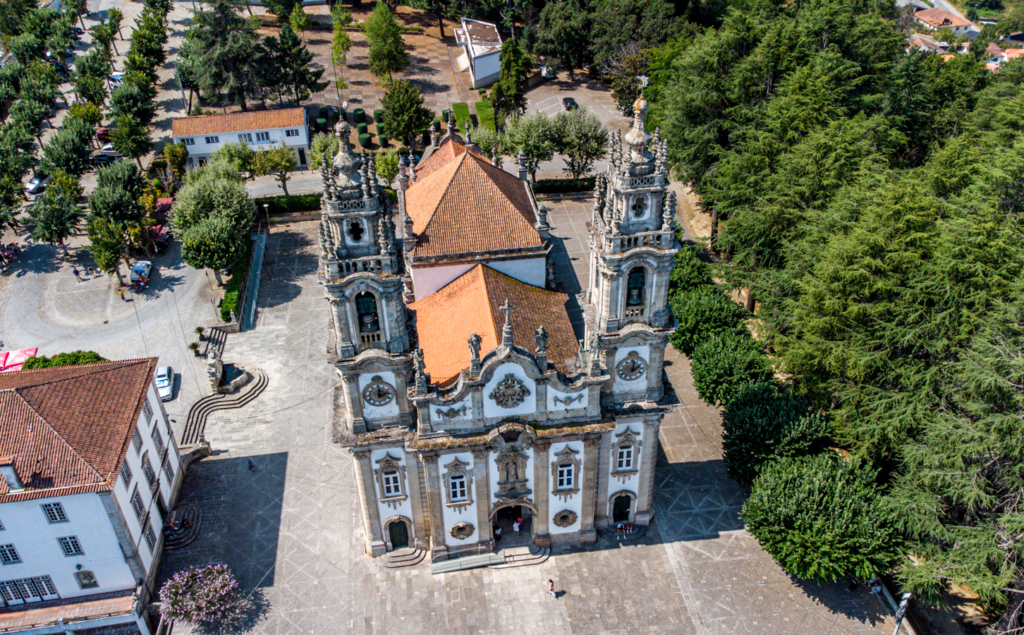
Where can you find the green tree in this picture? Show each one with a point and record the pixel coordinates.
(231, 60)
(299, 21)
(74, 358)
(88, 112)
(241, 157)
(115, 17)
(700, 314)
(177, 157)
(533, 136)
(725, 364)
(55, 214)
(279, 161)
(387, 166)
(69, 148)
(119, 187)
(515, 69)
(387, 50)
(490, 142)
(293, 59)
(104, 34)
(27, 47)
(688, 270)
(340, 45)
(323, 143)
(129, 100)
(820, 518)
(281, 8)
(108, 245)
(564, 33)
(405, 117)
(213, 243)
(618, 23)
(581, 139)
(131, 138)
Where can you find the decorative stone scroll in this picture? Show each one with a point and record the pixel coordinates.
(451, 413)
(462, 530)
(565, 518)
(568, 401)
(510, 392)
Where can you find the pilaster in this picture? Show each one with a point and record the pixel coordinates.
(373, 543)
(481, 481)
(343, 346)
(354, 401)
(418, 521)
(603, 470)
(648, 461)
(438, 550)
(590, 448)
(541, 469)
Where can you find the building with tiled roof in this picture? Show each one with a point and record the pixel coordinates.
(469, 400)
(90, 471)
(938, 18)
(481, 50)
(262, 129)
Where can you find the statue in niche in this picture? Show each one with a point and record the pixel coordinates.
(511, 472)
(540, 336)
(474, 346)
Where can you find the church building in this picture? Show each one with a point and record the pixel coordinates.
(468, 398)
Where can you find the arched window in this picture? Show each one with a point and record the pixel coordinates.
(635, 287)
(366, 307)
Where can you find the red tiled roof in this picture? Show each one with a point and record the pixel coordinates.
(72, 610)
(939, 17)
(238, 122)
(469, 206)
(68, 428)
(470, 304)
(449, 149)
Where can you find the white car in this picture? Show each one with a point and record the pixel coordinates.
(140, 271)
(37, 184)
(109, 150)
(165, 383)
(116, 79)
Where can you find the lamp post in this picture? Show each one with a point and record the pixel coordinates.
(266, 210)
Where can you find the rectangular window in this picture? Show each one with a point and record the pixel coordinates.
(71, 546)
(625, 458)
(147, 411)
(189, 141)
(212, 140)
(262, 137)
(18, 591)
(136, 440)
(158, 440)
(291, 133)
(168, 470)
(137, 506)
(8, 555)
(150, 536)
(147, 469)
(55, 513)
(392, 485)
(565, 476)
(126, 474)
(245, 137)
(457, 484)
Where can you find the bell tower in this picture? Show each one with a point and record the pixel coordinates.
(360, 266)
(632, 249)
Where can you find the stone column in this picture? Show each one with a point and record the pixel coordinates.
(590, 447)
(655, 382)
(482, 484)
(542, 492)
(418, 521)
(648, 463)
(373, 542)
(608, 317)
(343, 341)
(603, 481)
(355, 402)
(438, 550)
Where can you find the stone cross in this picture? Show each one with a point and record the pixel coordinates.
(506, 331)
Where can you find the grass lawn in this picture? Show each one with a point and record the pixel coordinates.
(462, 117)
(485, 113)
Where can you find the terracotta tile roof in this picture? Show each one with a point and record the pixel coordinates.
(26, 616)
(1012, 54)
(470, 303)
(68, 428)
(238, 122)
(939, 17)
(470, 206)
(449, 149)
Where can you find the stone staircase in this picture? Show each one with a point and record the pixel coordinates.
(609, 534)
(196, 423)
(524, 556)
(185, 537)
(399, 558)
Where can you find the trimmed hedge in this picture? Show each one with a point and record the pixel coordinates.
(359, 115)
(285, 204)
(462, 116)
(232, 288)
(361, 128)
(378, 115)
(485, 114)
(63, 359)
(561, 186)
(384, 141)
(365, 139)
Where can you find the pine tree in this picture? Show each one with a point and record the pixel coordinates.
(387, 50)
(293, 59)
(564, 33)
(515, 68)
(404, 115)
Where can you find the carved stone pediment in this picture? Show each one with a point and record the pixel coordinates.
(510, 392)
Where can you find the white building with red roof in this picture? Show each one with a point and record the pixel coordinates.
(260, 129)
(90, 469)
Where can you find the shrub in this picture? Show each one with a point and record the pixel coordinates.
(689, 271)
(485, 114)
(701, 314)
(361, 128)
(199, 595)
(822, 518)
(365, 139)
(562, 186)
(462, 116)
(378, 115)
(359, 115)
(293, 203)
(763, 422)
(233, 287)
(229, 304)
(727, 363)
(63, 359)
(384, 141)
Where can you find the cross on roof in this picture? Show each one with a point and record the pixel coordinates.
(507, 308)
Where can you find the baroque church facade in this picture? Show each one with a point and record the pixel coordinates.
(468, 398)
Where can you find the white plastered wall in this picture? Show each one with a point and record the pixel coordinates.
(452, 515)
(575, 502)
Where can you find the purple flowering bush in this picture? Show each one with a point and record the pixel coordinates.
(200, 594)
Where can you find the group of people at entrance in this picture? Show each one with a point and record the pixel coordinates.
(517, 524)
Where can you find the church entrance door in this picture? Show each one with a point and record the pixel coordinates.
(620, 509)
(399, 534)
(505, 518)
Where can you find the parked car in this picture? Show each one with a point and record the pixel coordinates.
(165, 383)
(569, 103)
(548, 72)
(109, 150)
(103, 134)
(77, 30)
(101, 159)
(38, 183)
(140, 271)
(116, 79)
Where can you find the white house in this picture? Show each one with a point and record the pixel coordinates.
(938, 18)
(90, 469)
(261, 129)
(481, 45)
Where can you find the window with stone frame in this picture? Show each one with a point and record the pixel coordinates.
(150, 535)
(625, 454)
(565, 473)
(147, 469)
(55, 513)
(136, 440)
(126, 474)
(390, 475)
(457, 481)
(158, 440)
(147, 411)
(9, 555)
(137, 505)
(70, 546)
(168, 470)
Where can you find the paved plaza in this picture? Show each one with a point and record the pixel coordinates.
(291, 529)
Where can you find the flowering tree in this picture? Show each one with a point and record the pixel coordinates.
(200, 594)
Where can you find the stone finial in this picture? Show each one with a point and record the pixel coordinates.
(474, 355)
(595, 356)
(540, 336)
(435, 136)
(469, 135)
(496, 156)
(421, 372)
(668, 211)
(523, 171)
(506, 330)
(403, 177)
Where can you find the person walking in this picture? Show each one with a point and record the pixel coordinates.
(551, 589)
(515, 527)
(120, 292)
(74, 270)
(90, 271)
(497, 535)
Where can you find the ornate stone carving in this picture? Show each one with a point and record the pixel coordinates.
(631, 367)
(565, 518)
(512, 478)
(378, 392)
(458, 471)
(568, 463)
(462, 530)
(452, 413)
(474, 346)
(510, 392)
(540, 336)
(568, 401)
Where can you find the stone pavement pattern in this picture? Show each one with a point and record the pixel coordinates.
(291, 530)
